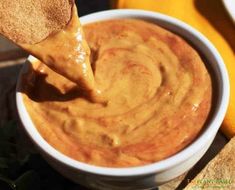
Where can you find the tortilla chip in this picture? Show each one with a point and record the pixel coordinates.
(31, 21)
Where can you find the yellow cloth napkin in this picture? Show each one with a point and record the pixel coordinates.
(211, 19)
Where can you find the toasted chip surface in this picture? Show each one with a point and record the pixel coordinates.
(31, 21)
(219, 172)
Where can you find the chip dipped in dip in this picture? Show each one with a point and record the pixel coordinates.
(158, 92)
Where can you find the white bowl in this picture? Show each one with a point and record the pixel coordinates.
(151, 175)
(229, 6)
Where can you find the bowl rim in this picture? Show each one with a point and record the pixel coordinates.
(230, 8)
(210, 130)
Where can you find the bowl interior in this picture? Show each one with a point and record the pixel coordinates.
(214, 63)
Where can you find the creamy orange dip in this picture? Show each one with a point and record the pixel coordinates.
(158, 91)
(67, 53)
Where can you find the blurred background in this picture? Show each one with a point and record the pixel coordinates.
(86, 7)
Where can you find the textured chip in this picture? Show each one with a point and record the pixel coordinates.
(219, 173)
(31, 21)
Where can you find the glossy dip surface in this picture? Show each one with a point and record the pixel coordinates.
(158, 90)
(67, 53)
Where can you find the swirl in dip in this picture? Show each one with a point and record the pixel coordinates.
(158, 91)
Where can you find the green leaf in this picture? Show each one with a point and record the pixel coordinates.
(8, 131)
(3, 163)
(24, 160)
(27, 181)
(8, 181)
